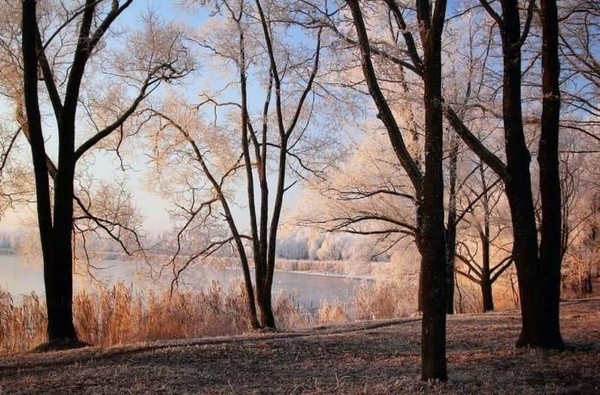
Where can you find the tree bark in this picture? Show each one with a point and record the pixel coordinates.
(265, 305)
(430, 215)
(550, 244)
(59, 288)
(487, 297)
(56, 226)
(486, 281)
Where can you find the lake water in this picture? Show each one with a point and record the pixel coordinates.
(307, 290)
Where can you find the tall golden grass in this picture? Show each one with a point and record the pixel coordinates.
(118, 315)
(23, 324)
(107, 316)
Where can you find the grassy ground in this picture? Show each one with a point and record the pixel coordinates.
(370, 357)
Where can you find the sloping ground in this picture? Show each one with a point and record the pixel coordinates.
(374, 357)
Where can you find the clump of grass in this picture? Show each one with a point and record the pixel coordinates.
(332, 312)
(290, 315)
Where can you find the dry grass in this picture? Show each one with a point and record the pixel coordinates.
(122, 315)
(119, 315)
(384, 300)
(22, 325)
(380, 357)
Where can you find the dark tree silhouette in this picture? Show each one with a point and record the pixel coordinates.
(54, 182)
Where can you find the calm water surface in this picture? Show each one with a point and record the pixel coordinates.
(307, 290)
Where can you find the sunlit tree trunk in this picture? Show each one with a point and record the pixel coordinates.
(430, 215)
(539, 285)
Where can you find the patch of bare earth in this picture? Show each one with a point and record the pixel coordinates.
(371, 357)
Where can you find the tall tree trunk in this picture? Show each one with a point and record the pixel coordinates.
(451, 226)
(429, 188)
(518, 178)
(486, 281)
(486, 294)
(550, 244)
(265, 304)
(57, 255)
(430, 215)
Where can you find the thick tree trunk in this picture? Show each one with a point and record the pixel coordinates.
(525, 256)
(486, 293)
(429, 187)
(263, 296)
(265, 305)
(60, 286)
(550, 244)
(430, 215)
(433, 333)
(59, 273)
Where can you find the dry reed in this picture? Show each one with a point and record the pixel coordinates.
(117, 315)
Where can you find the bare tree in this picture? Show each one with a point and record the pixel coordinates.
(265, 142)
(366, 194)
(63, 83)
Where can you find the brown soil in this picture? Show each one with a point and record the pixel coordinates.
(370, 357)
